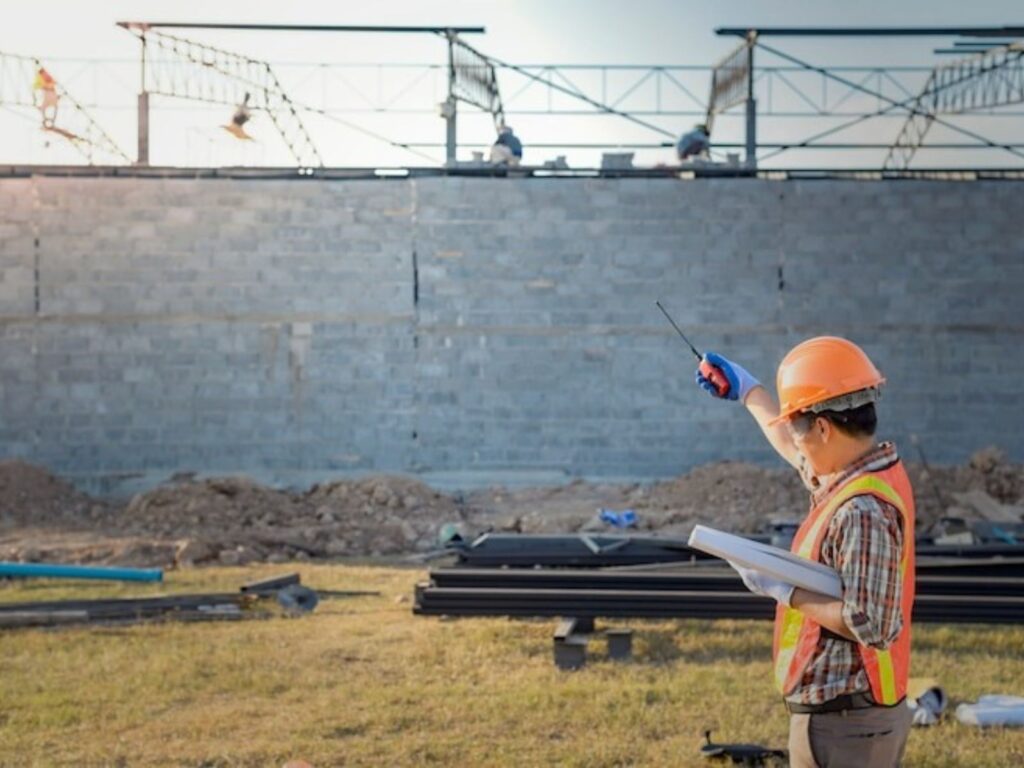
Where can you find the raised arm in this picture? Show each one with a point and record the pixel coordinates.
(746, 389)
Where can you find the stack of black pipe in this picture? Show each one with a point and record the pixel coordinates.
(604, 550)
(948, 591)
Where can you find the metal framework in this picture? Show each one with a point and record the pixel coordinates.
(649, 98)
(948, 85)
(473, 82)
(476, 80)
(731, 82)
(989, 79)
(76, 125)
(219, 77)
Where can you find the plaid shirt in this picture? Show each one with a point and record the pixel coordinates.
(864, 542)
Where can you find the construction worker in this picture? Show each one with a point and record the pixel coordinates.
(507, 148)
(841, 664)
(239, 119)
(45, 97)
(695, 143)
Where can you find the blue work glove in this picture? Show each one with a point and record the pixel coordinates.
(740, 380)
(764, 585)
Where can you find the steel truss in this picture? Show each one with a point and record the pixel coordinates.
(643, 90)
(217, 76)
(650, 97)
(475, 81)
(986, 80)
(731, 82)
(76, 125)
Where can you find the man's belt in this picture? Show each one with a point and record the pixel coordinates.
(838, 704)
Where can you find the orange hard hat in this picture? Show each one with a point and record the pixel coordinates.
(822, 369)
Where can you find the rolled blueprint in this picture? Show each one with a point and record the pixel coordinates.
(790, 568)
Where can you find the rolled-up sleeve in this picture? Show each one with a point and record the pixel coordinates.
(867, 547)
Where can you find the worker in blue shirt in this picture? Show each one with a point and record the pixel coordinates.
(507, 148)
(695, 143)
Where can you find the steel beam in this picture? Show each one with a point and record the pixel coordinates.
(1007, 31)
(144, 25)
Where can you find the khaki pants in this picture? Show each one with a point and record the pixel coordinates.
(856, 738)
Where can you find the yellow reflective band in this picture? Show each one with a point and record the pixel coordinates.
(847, 492)
(887, 677)
(883, 489)
(792, 626)
(807, 545)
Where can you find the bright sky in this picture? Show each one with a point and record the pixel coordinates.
(98, 63)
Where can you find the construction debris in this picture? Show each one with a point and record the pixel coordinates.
(236, 521)
(292, 598)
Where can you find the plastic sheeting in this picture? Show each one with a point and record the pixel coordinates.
(993, 710)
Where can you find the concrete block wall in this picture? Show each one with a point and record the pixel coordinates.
(477, 330)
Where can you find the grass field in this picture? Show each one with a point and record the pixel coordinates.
(364, 682)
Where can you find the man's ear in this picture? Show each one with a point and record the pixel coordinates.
(824, 427)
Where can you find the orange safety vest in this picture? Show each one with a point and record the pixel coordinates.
(796, 635)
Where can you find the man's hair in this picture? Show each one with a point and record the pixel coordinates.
(856, 422)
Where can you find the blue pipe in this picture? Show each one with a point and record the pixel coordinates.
(54, 571)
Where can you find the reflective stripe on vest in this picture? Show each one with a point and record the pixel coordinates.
(796, 636)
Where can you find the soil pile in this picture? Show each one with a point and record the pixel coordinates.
(31, 495)
(234, 520)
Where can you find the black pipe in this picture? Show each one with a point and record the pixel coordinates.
(706, 580)
(430, 600)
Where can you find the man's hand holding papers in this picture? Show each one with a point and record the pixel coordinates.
(765, 585)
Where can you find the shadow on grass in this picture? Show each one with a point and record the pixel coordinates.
(699, 645)
(1000, 642)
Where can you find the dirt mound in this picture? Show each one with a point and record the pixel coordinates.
(556, 509)
(31, 495)
(49, 545)
(201, 507)
(730, 495)
(734, 496)
(381, 515)
(936, 489)
(234, 520)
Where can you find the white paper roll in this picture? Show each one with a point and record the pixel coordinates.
(790, 568)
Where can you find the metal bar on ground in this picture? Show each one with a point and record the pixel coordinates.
(942, 609)
(721, 579)
(131, 605)
(58, 571)
(272, 584)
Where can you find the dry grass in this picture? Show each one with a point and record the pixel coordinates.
(363, 682)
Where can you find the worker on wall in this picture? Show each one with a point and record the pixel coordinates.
(45, 97)
(507, 148)
(841, 665)
(695, 143)
(241, 116)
